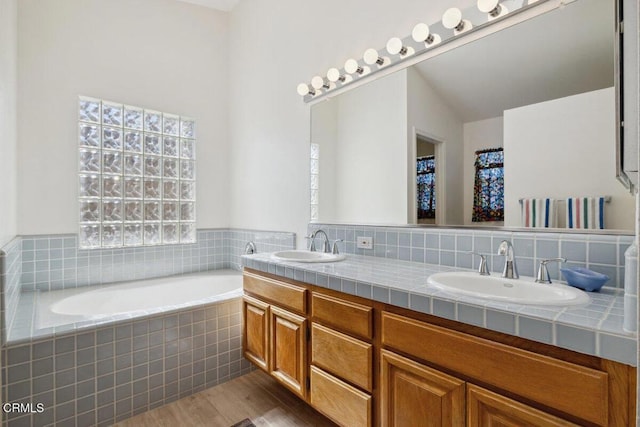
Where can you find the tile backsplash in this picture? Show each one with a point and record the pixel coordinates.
(56, 262)
(450, 247)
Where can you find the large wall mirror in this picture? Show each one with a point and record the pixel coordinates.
(538, 97)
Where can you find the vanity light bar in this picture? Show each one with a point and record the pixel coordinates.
(455, 23)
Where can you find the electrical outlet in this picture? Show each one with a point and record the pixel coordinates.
(363, 242)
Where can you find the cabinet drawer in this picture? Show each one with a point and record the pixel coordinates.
(346, 316)
(485, 408)
(342, 355)
(281, 293)
(344, 404)
(524, 373)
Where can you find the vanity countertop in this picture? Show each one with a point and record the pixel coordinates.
(595, 328)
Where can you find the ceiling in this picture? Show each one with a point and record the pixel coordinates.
(223, 5)
(561, 53)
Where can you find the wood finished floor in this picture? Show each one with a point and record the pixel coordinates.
(255, 395)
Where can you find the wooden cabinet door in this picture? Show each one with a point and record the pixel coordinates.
(485, 408)
(255, 340)
(415, 395)
(289, 350)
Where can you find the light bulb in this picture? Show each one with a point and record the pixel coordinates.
(352, 67)
(334, 75)
(395, 47)
(452, 20)
(493, 8)
(304, 89)
(317, 82)
(421, 33)
(371, 57)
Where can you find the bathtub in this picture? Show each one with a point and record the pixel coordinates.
(97, 304)
(125, 348)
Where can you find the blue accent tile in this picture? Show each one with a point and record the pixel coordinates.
(574, 251)
(417, 240)
(464, 243)
(603, 253)
(537, 330)
(399, 298)
(349, 286)
(335, 283)
(447, 242)
(417, 254)
(546, 249)
(433, 241)
(446, 309)
(432, 256)
(380, 237)
(420, 303)
(448, 258)
(471, 314)
(618, 348)
(501, 321)
(404, 239)
(363, 290)
(404, 253)
(381, 294)
(577, 339)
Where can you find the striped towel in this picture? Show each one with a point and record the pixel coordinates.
(585, 212)
(538, 212)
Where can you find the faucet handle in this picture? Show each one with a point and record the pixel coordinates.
(312, 245)
(543, 273)
(483, 270)
(334, 249)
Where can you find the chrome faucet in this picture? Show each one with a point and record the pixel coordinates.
(325, 246)
(483, 270)
(543, 273)
(250, 248)
(510, 270)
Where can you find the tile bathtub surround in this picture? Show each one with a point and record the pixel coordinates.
(449, 247)
(10, 275)
(595, 329)
(107, 374)
(51, 262)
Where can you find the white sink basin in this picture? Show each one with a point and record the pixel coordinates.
(496, 288)
(306, 256)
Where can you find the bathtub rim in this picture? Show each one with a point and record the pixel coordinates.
(86, 325)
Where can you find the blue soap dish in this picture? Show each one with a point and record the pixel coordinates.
(584, 278)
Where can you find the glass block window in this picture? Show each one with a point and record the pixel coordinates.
(315, 180)
(136, 176)
(488, 189)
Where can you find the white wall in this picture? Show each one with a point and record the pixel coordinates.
(428, 112)
(324, 128)
(8, 134)
(161, 54)
(478, 136)
(371, 170)
(577, 135)
(273, 48)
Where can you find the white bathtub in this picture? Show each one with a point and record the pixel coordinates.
(132, 299)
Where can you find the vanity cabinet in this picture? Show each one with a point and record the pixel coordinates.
(274, 335)
(366, 363)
